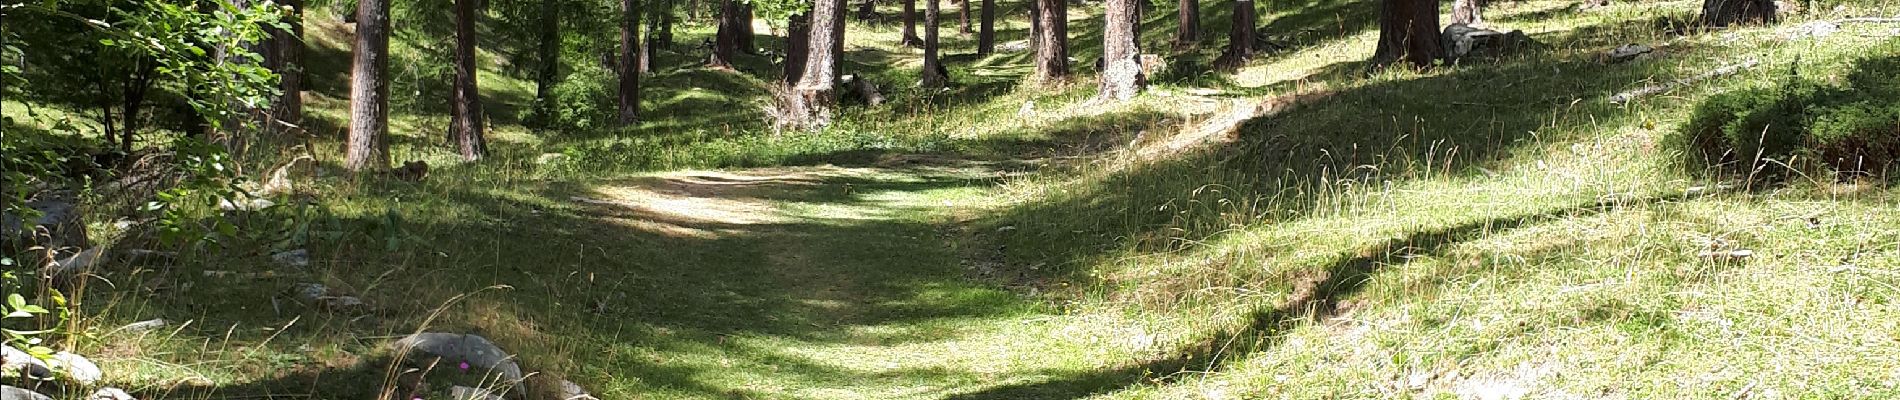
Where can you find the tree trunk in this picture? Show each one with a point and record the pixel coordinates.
(963, 18)
(910, 25)
(933, 75)
(746, 35)
(726, 41)
(867, 11)
(662, 35)
(550, 47)
(1468, 12)
(135, 91)
(285, 58)
(1121, 56)
(629, 70)
(1408, 31)
(1240, 36)
(466, 109)
(1190, 30)
(368, 147)
(986, 33)
(1720, 13)
(1052, 40)
(648, 46)
(816, 86)
(797, 46)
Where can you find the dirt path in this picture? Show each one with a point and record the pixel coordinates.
(856, 291)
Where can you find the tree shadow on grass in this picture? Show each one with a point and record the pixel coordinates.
(1316, 299)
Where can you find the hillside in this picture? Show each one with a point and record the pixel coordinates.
(1305, 226)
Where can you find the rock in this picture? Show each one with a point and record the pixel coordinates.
(469, 393)
(66, 268)
(144, 326)
(245, 205)
(14, 393)
(1727, 255)
(76, 368)
(111, 394)
(1028, 109)
(59, 215)
(1462, 40)
(318, 295)
(299, 258)
(1628, 52)
(1013, 46)
(453, 348)
(1811, 30)
(150, 256)
(281, 181)
(573, 391)
(28, 366)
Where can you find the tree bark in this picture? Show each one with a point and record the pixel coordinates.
(285, 58)
(986, 33)
(1408, 31)
(817, 85)
(1468, 12)
(1721, 13)
(662, 33)
(1190, 30)
(368, 147)
(1121, 56)
(1052, 40)
(933, 75)
(747, 44)
(1240, 36)
(797, 46)
(726, 41)
(963, 18)
(550, 47)
(629, 70)
(910, 25)
(466, 109)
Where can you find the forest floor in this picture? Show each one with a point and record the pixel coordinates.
(1306, 226)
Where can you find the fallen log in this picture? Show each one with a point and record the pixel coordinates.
(1731, 69)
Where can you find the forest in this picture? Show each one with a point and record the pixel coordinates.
(952, 200)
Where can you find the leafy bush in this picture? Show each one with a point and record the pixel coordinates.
(1851, 129)
(581, 102)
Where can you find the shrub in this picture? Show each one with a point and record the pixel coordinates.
(581, 102)
(1851, 129)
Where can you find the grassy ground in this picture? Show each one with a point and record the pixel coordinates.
(1491, 229)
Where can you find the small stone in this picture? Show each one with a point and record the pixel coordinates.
(150, 256)
(14, 393)
(469, 393)
(1028, 109)
(245, 205)
(1628, 52)
(144, 326)
(76, 367)
(311, 292)
(299, 258)
(111, 394)
(573, 391)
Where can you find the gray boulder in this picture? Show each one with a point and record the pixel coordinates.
(13, 393)
(1462, 41)
(573, 391)
(19, 361)
(111, 394)
(58, 215)
(299, 258)
(454, 348)
(77, 368)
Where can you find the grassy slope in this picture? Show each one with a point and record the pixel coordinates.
(1481, 228)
